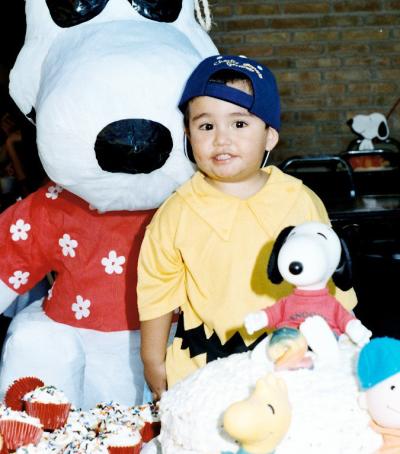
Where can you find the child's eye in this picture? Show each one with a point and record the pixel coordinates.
(240, 124)
(206, 127)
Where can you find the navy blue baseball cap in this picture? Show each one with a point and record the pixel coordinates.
(264, 102)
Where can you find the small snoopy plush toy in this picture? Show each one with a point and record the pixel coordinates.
(307, 256)
(369, 127)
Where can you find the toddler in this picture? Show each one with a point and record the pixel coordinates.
(206, 249)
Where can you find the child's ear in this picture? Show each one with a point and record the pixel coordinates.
(272, 138)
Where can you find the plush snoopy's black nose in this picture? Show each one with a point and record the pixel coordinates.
(133, 146)
(296, 268)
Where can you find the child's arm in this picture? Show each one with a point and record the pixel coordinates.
(154, 337)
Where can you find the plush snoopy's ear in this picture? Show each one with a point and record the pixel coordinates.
(272, 269)
(343, 275)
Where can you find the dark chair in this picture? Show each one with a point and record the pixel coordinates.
(329, 176)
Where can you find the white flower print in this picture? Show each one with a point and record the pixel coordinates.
(112, 263)
(68, 245)
(19, 229)
(50, 293)
(81, 308)
(53, 191)
(19, 278)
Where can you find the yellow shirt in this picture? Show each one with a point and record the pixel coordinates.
(206, 253)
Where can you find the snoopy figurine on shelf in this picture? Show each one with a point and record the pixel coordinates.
(369, 127)
(307, 256)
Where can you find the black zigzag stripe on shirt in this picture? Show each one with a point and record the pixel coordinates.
(197, 342)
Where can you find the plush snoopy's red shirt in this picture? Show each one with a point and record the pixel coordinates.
(292, 310)
(94, 256)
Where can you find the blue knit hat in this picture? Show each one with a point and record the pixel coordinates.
(264, 103)
(378, 360)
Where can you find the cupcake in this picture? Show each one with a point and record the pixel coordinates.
(122, 440)
(149, 421)
(17, 390)
(48, 404)
(19, 429)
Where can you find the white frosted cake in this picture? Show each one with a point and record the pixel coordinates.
(326, 417)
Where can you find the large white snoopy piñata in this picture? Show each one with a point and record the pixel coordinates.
(102, 78)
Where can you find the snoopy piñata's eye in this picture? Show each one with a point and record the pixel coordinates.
(158, 10)
(67, 13)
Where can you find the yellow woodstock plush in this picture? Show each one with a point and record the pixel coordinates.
(260, 422)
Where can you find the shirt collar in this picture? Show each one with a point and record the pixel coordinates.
(270, 205)
(311, 293)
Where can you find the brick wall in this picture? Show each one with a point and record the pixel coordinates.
(332, 59)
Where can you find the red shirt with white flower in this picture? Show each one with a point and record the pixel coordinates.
(94, 257)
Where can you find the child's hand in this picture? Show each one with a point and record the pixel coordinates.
(156, 377)
(255, 321)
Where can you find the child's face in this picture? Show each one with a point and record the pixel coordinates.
(228, 141)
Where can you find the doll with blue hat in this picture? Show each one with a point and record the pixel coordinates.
(378, 371)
